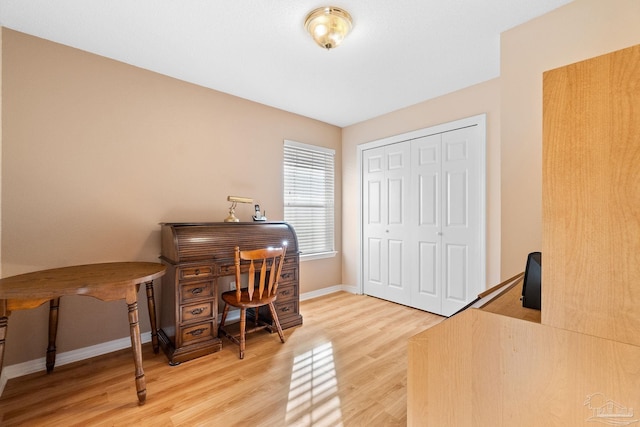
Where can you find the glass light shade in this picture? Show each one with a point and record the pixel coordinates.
(328, 26)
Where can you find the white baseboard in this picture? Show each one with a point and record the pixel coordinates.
(327, 291)
(37, 365)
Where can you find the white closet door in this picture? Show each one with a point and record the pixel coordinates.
(426, 241)
(462, 218)
(386, 185)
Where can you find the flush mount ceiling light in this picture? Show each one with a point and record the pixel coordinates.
(328, 26)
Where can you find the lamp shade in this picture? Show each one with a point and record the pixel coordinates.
(328, 26)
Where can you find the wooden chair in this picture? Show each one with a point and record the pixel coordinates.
(270, 262)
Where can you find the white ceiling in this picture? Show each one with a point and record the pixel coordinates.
(399, 53)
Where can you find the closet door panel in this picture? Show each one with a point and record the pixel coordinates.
(457, 197)
(396, 203)
(428, 194)
(395, 273)
(374, 204)
(456, 277)
(374, 261)
(427, 268)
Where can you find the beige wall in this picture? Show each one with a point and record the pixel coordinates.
(478, 99)
(96, 153)
(577, 31)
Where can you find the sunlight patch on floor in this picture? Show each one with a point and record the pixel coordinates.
(313, 394)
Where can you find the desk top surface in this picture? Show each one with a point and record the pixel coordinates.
(509, 304)
(79, 280)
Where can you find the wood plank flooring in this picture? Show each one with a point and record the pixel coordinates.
(345, 366)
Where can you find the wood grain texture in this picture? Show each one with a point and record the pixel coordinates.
(591, 194)
(347, 365)
(107, 281)
(484, 369)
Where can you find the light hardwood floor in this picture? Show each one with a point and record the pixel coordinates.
(345, 366)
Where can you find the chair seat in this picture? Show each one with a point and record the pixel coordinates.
(230, 297)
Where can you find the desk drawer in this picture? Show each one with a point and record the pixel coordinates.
(203, 271)
(189, 313)
(196, 290)
(288, 275)
(286, 292)
(290, 261)
(200, 332)
(286, 308)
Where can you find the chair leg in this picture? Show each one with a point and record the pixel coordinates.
(243, 327)
(274, 315)
(225, 311)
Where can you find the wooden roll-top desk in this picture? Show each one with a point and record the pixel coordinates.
(196, 256)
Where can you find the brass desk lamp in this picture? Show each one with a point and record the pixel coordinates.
(234, 201)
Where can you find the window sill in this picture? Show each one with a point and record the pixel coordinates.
(320, 255)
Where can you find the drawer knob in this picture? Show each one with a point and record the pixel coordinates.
(287, 292)
(196, 291)
(285, 309)
(197, 332)
(197, 271)
(197, 311)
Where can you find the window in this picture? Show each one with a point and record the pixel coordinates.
(308, 197)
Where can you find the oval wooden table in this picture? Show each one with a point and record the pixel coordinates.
(106, 282)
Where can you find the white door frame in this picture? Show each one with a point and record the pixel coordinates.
(478, 120)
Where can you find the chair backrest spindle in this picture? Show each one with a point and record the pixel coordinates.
(237, 266)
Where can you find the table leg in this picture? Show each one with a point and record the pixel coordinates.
(152, 317)
(54, 304)
(136, 346)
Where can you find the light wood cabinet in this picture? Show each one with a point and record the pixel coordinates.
(591, 197)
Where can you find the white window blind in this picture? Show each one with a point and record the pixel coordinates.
(308, 196)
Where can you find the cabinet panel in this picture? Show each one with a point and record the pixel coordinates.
(591, 194)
